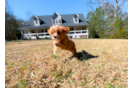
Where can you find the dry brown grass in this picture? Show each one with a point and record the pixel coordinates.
(32, 64)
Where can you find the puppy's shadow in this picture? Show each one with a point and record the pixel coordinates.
(83, 56)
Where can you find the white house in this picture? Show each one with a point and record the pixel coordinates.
(38, 25)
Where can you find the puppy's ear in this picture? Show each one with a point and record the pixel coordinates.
(48, 31)
(66, 29)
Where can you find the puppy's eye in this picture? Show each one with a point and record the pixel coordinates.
(58, 32)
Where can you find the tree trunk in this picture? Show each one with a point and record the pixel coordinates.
(115, 11)
(121, 9)
(115, 14)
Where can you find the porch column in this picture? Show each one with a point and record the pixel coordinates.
(29, 33)
(44, 33)
(25, 31)
(21, 32)
(87, 34)
(74, 30)
(81, 29)
(37, 32)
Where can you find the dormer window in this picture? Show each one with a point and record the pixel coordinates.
(56, 18)
(59, 21)
(76, 18)
(56, 21)
(36, 20)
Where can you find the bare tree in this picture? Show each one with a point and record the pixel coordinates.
(113, 4)
(115, 10)
(22, 23)
(7, 7)
(11, 25)
(29, 14)
(111, 9)
(121, 7)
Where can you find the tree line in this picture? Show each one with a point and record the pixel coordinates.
(107, 20)
(12, 23)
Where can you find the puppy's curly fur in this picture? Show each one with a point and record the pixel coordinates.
(60, 38)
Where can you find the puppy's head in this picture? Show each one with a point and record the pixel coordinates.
(58, 32)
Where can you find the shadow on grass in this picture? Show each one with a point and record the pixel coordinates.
(83, 56)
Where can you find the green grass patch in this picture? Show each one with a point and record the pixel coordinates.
(104, 52)
(5, 43)
(119, 86)
(54, 56)
(19, 42)
(121, 80)
(69, 81)
(25, 65)
(22, 84)
(124, 70)
(83, 85)
(53, 73)
(89, 64)
(110, 85)
(84, 56)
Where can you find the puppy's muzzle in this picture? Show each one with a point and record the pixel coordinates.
(55, 37)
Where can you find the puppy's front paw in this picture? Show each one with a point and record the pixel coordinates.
(57, 44)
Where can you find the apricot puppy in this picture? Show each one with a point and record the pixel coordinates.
(60, 38)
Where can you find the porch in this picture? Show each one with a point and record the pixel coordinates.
(75, 32)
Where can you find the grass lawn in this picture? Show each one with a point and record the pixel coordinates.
(31, 64)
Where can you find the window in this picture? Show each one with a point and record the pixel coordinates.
(75, 19)
(53, 21)
(71, 28)
(42, 30)
(57, 21)
(32, 31)
(45, 30)
(83, 28)
(36, 20)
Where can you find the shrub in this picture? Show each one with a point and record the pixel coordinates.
(29, 38)
(37, 37)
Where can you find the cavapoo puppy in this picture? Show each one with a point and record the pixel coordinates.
(60, 38)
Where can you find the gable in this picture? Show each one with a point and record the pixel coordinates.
(55, 16)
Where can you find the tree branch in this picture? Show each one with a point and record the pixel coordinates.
(100, 3)
(88, 4)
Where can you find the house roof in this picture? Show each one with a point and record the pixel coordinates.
(67, 20)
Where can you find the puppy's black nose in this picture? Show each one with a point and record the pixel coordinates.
(55, 37)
